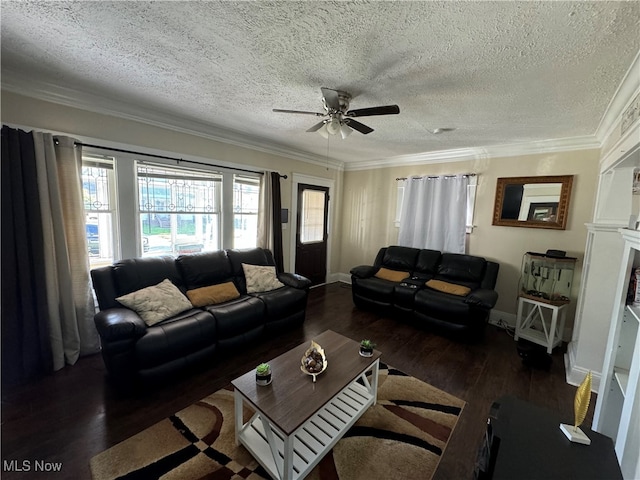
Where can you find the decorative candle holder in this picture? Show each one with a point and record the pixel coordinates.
(314, 361)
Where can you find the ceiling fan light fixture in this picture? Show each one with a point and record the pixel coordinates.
(338, 119)
(345, 131)
(333, 126)
(323, 131)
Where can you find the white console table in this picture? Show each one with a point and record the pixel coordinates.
(540, 322)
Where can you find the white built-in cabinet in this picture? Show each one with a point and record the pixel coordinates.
(617, 412)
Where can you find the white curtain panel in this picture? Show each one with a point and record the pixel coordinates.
(66, 268)
(434, 213)
(265, 213)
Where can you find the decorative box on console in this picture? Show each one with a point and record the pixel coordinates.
(547, 277)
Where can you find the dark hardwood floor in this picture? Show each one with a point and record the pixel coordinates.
(74, 414)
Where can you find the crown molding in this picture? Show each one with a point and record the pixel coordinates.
(626, 151)
(589, 142)
(96, 103)
(625, 93)
(104, 147)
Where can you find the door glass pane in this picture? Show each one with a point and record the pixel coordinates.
(312, 218)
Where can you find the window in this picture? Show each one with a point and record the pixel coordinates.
(98, 191)
(137, 207)
(246, 198)
(471, 202)
(179, 210)
(434, 213)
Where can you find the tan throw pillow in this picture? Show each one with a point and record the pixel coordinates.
(213, 294)
(261, 278)
(156, 303)
(447, 287)
(391, 275)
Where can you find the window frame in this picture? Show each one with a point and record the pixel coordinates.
(245, 179)
(181, 184)
(107, 162)
(127, 237)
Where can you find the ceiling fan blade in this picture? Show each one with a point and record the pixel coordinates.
(300, 112)
(331, 98)
(367, 112)
(361, 127)
(316, 127)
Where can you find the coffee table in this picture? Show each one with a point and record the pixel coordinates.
(296, 421)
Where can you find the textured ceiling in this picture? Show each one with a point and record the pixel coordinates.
(498, 72)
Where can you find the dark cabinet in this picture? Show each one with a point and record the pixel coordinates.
(524, 441)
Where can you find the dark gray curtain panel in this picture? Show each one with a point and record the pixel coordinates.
(26, 348)
(277, 221)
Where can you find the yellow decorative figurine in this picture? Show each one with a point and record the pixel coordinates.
(580, 407)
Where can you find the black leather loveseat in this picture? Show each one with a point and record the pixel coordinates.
(133, 351)
(457, 300)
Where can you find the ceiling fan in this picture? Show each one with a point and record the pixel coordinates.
(339, 119)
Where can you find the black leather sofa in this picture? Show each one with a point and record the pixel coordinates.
(134, 352)
(463, 314)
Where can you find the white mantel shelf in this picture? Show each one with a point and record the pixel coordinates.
(631, 236)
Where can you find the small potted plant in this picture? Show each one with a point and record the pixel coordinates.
(263, 374)
(366, 348)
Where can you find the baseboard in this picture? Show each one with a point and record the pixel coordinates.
(334, 278)
(499, 319)
(575, 374)
(340, 277)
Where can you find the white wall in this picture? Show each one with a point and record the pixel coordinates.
(370, 206)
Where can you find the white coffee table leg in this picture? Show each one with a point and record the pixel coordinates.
(238, 414)
(288, 457)
(374, 380)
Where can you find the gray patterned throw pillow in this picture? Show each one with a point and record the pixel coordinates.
(156, 303)
(261, 278)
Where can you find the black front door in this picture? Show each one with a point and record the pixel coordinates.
(311, 234)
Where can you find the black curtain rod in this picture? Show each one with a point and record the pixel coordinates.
(438, 176)
(179, 160)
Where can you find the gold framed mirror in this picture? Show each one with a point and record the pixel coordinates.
(533, 202)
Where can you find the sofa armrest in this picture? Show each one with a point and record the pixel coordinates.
(119, 324)
(294, 280)
(482, 298)
(364, 271)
